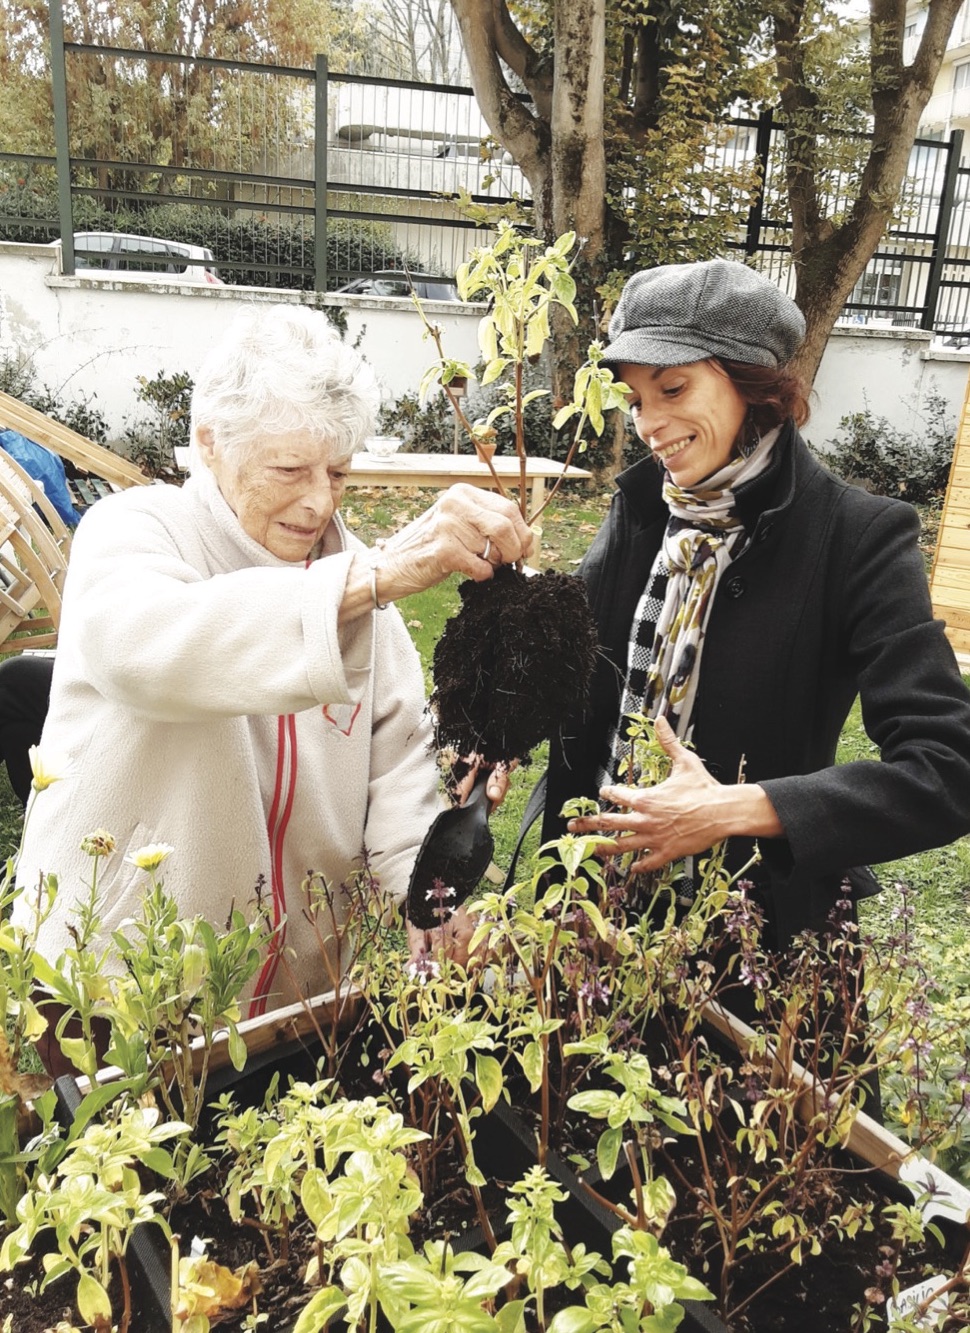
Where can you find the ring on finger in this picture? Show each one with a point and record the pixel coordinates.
(488, 547)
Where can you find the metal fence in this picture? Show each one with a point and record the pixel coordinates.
(231, 156)
(227, 155)
(918, 277)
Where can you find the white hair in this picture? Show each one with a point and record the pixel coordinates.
(279, 369)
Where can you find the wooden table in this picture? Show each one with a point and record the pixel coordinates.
(440, 470)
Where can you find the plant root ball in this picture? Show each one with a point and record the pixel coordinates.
(515, 660)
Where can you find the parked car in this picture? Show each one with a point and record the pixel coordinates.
(394, 282)
(148, 257)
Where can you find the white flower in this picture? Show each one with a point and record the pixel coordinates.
(47, 769)
(151, 856)
(423, 970)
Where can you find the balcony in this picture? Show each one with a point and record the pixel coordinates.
(946, 109)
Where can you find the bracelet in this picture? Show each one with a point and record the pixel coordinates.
(378, 605)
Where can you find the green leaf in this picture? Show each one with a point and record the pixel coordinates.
(598, 1102)
(532, 1064)
(80, 1053)
(594, 406)
(563, 415)
(511, 1318)
(473, 1175)
(574, 1319)
(92, 1300)
(488, 339)
(430, 376)
(488, 1078)
(537, 334)
(238, 1051)
(607, 1151)
(494, 368)
(322, 1307)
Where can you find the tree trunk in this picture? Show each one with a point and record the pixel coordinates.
(829, 259)
(559, 147)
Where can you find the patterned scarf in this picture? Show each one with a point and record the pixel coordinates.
(704, 533)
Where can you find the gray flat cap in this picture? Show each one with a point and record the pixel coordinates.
(680, 313)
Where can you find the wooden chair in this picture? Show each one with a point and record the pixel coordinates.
(34, 547)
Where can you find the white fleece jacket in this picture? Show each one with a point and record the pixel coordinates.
(203, 696)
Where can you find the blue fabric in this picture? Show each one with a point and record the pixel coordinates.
(45, 467)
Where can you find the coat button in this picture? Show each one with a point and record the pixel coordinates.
(735, 588)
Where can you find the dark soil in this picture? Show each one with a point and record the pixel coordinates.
(514, 661)
(818, 1295)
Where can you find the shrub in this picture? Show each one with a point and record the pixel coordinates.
(426, 430)
(871, 452)
(149, 442)
(18, 379)
(251, 250)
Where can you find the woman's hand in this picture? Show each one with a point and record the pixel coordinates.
(496, 786)
(450, 940)
(466, 531)
(689, 812)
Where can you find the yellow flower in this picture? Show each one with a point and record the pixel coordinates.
(151, 856)
(45, 771)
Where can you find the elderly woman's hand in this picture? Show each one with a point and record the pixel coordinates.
(466, 531)
(450, 940)
(497, 784)
(687, 813)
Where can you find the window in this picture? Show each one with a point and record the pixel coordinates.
(92, 240)
(961, 75)
(141, 255)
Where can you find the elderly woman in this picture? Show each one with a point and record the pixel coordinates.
(231, 679)
(745, 596)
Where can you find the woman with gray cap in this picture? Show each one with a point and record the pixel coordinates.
(744, 596)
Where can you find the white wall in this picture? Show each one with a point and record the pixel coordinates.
(890, 371)
(89, 336)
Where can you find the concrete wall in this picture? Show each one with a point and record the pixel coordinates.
(889, 370)
(92, 337)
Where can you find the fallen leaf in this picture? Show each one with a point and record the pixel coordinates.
(206, 1287)
(415, 624)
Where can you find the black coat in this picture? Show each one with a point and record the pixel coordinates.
(828, 600)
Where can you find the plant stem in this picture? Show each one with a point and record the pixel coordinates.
(125, 1295)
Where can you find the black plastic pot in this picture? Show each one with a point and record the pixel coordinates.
(505, 1148)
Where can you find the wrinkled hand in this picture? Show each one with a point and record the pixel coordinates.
(450, 940)
(497, 786)
(467, 531)
(678, 817)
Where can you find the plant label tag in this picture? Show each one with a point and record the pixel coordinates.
(940, 1194)
(903, 1306)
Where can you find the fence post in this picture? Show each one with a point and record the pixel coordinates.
(940, 240)
(62, 141)
(752, 240)
(320, 177)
